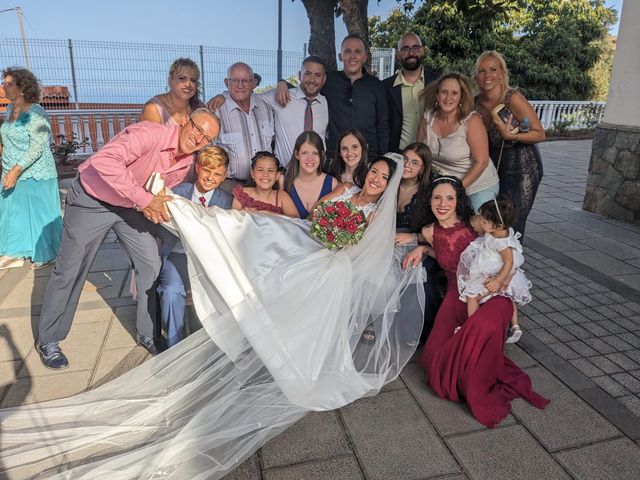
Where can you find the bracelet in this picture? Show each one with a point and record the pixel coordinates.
(517, 137)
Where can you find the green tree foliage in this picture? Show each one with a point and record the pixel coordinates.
(551, 46)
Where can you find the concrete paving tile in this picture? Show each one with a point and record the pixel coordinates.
(566, 408)
(612, 247)
(574, 231)
(392, 386)
(345, 468)
(108, 360)
(631, 339)
(605, 310)
(632, 402)
(610, 386)
(582, 348)
(561, 334)
(558, 242)
(632, 281)
(595, 329)
(612, 326)
(317, 436)
(621, 309)
(46, 387)
(559, 319)
(612, 460)
(623, 361)
(606, 365)
(565, 352)
(8, 374)
(578, 316)
(544, 336)
(601, 262)
(571, 302)
(628, 381)
(586, 367)
(632, 306)
(390, 436)
(633, 355)
(90, 315)
(484, 455)
(123, 329)
(618, 343)
(448, 417)
(543, 320)
(16, 338)
(536, 216)
(81, 347)
(599, 345)
(247, 470)
(519, 356)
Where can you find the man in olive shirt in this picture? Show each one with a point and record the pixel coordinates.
(405, 107)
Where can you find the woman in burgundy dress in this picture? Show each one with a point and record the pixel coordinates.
(468, 364)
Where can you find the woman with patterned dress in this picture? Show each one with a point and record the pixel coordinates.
(515, 155)
(30, 216)
(467, 363)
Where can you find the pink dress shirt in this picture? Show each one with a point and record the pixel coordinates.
(116, 174)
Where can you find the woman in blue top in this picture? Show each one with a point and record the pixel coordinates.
(30, 220)
(304, 180)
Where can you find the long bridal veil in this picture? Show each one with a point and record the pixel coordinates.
(283, 321)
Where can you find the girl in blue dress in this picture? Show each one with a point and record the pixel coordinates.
(304, 180)
(30, 217)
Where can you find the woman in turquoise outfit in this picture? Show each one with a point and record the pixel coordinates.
(30, 217)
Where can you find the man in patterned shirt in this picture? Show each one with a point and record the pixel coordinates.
(247, 124)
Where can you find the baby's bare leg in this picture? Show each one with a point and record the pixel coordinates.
(473, 303)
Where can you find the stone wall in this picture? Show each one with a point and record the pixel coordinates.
(613, 184)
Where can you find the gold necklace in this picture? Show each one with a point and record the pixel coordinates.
(410, 188)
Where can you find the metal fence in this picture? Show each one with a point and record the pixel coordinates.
(123, 73)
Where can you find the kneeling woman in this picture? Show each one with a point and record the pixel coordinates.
(471, 364)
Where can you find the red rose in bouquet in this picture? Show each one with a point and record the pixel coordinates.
(337, 225)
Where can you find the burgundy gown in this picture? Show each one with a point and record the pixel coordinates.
(471, 364)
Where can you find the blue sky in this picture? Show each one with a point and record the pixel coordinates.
(224, 23)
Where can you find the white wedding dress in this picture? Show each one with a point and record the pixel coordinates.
(283, 319)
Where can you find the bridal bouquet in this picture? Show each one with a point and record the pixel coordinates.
(337, 224)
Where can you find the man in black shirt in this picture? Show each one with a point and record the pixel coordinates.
(355, 99)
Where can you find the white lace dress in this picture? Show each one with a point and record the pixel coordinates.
(368, 209)
(481, 260)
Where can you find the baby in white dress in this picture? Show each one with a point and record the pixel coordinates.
(490, 265)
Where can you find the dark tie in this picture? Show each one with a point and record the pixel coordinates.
(308, 115)
(203, 201)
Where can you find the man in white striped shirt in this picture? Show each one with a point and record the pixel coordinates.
(247, 124)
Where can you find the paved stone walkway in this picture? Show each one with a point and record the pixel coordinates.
(581, 347)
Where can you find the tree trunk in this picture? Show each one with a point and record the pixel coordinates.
(354, 15)
(321, 15)
(355, 18)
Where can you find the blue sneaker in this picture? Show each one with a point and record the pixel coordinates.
(52, 356)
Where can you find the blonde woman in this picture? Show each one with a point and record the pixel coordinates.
(516, 155)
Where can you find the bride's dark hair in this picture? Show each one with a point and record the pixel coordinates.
(423, 215)
(390, 162)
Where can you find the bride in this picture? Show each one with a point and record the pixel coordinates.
(283, 319)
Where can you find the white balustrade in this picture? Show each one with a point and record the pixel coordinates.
(97, 127)
(568, 115)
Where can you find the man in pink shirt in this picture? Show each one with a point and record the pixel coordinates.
(108, 194)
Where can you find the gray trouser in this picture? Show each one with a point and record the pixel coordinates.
(86, 223)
